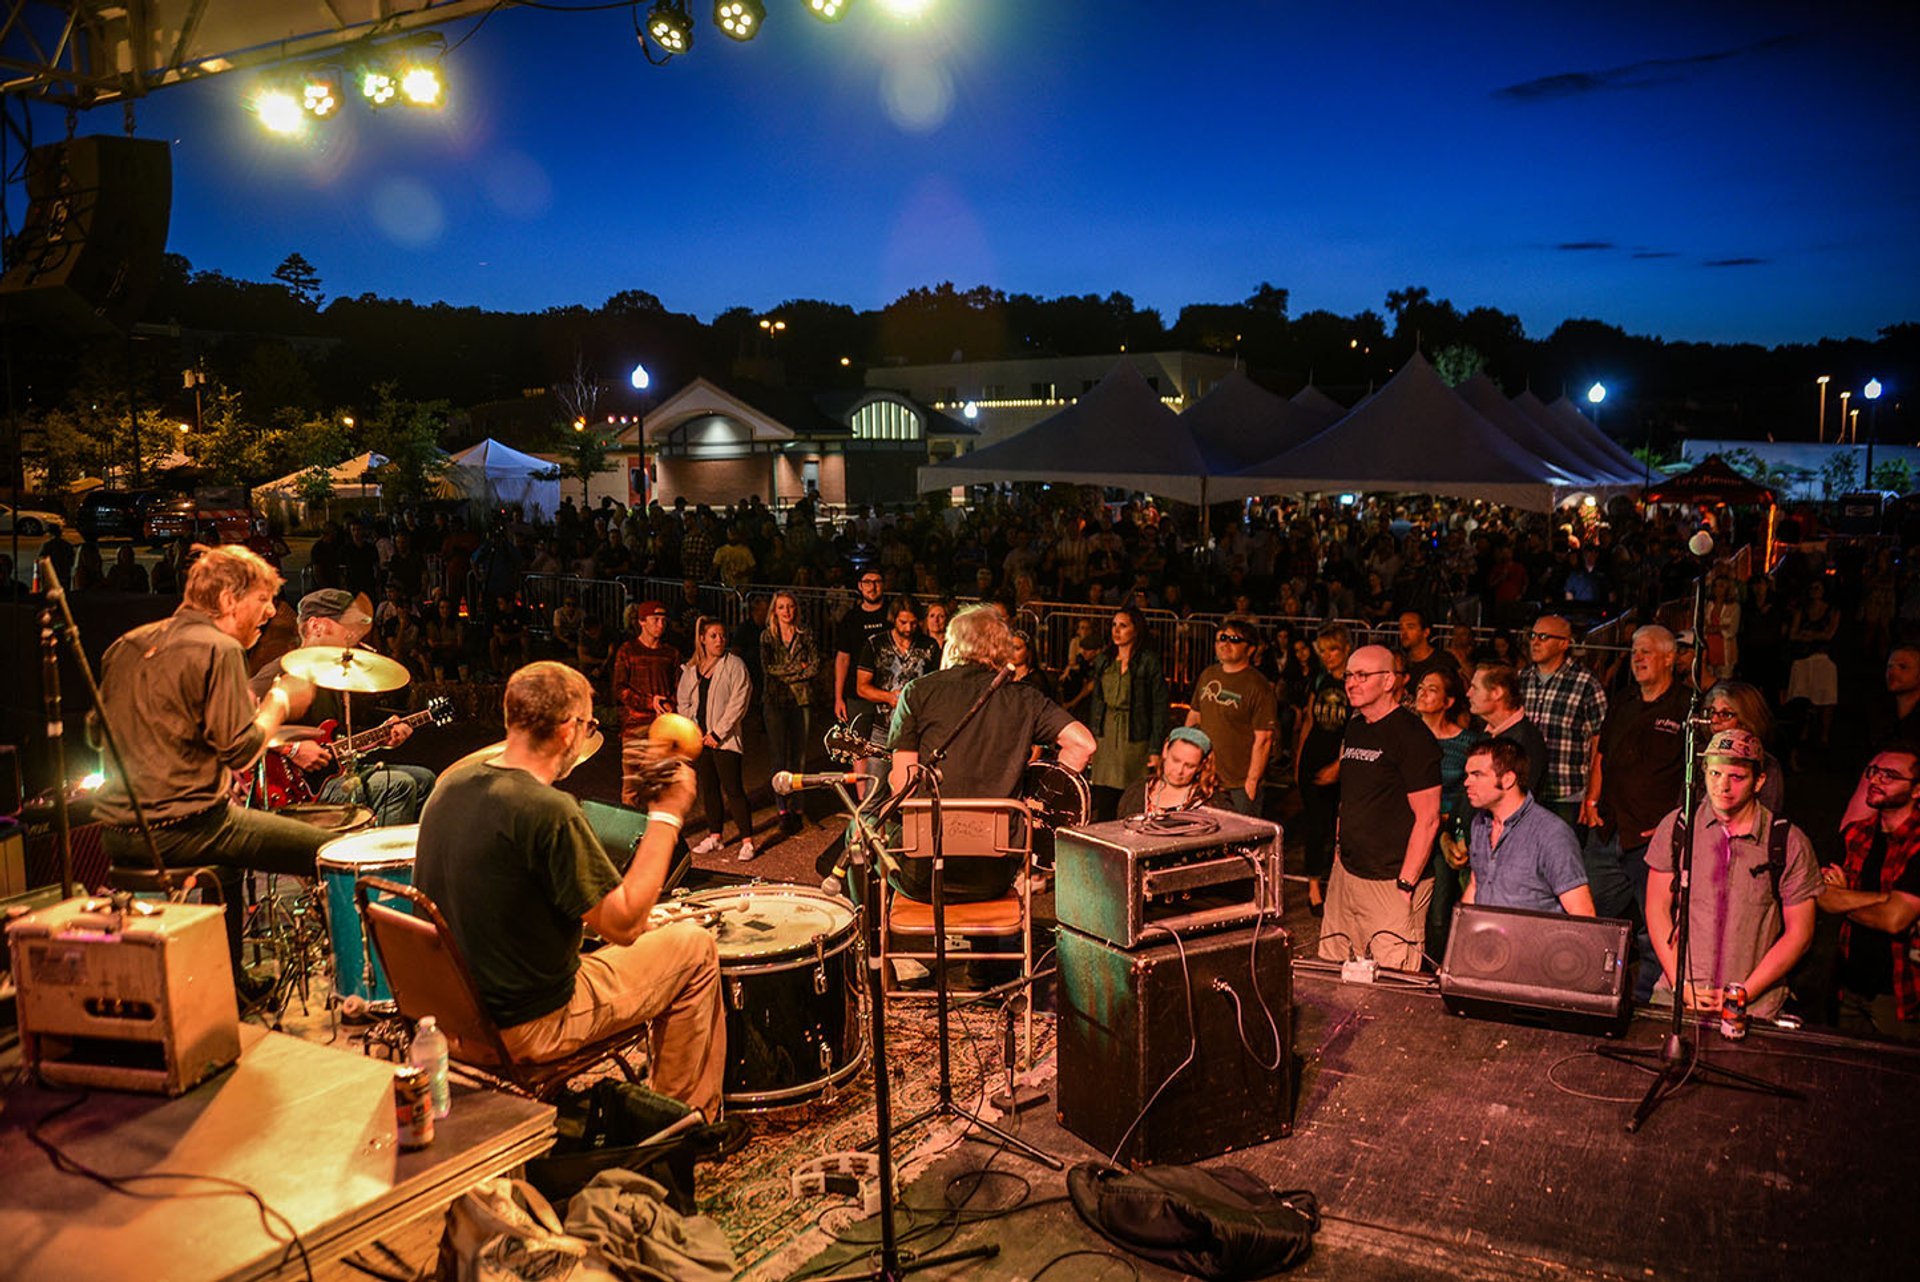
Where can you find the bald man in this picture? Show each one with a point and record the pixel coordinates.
(1381, 886)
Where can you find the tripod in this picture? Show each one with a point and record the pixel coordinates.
(866, 855)
(1676, 1060)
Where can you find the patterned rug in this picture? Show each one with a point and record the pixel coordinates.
(774, 1233)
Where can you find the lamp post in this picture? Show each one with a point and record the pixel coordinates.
(1820, 435)
(1596, 394)
(1872, 392)
(1842, 434)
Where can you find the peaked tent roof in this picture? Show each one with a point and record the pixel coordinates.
(1713, 481)
(1567, 412)
(1413, 434)
(1536, 438)
(1118, 434)
(497, 460)
(1318, 404)
(1239, 422)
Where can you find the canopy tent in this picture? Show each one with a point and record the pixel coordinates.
(1567, 412)
(1239, 423)
(1582, 465)
(1119, 434)
(1414, 434)
(1318, 406)
(350, 480)
(498, 475)
(1713, 481)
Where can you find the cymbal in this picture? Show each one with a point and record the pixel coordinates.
(493, 750)
(333, 667)
(293, 734)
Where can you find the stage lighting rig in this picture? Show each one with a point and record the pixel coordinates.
(670, 26)
(407, 72)
(828, 10)
(320, 92)
(278, 110)
(739, 19)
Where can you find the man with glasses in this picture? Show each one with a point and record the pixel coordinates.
(516, 870)
(864, 621)
(1566, 702)
(1876, 892)
(1381, 886)
(1235, 706)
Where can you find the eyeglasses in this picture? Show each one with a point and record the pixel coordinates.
(1547, 636)
(872, 581)
(1881, 772)
(1722, 714)
(1362, 676)
(591, 723)
(1230, 638)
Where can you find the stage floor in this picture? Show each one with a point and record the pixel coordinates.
(1447, 1147)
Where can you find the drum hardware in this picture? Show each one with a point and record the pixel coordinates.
(1056, 797)
(346, 669)
(493, 750)
(382, 852)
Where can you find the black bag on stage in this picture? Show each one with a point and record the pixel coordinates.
(1220, 1223)
(615, 1124)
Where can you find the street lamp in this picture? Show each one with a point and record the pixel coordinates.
(640, 379)
(1872, 392)
(1820, 436)
(1843, 415)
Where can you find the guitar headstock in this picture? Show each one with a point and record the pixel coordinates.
(440, 710)
(846, 745)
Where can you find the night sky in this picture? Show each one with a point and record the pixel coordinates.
(1714, 171)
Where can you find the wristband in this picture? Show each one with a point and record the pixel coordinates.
(1404, 886)
(666, 817)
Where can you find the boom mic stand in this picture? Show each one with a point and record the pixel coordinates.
(866, 855)
(1676, 1060)
(927, 774)
(56, 620)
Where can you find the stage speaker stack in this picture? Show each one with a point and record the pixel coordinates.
(90, 247)
(1171, 958)
(1538, 968)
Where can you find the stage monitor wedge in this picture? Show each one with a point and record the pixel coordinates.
(1538, 968)
(90, 248)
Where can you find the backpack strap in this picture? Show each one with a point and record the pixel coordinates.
(1777, 851)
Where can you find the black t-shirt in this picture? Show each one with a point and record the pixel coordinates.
(1328, 707)
(893, 667)
(986, 760)
(1866, 968)
(851, 634)
(1417, 669)
(1642, 749)
(1381, 763)
(513, 866)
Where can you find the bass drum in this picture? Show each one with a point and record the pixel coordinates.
(1056, 797)
(790, 975)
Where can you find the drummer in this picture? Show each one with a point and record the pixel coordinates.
(516, 870)
(394, 791)
(175, 695)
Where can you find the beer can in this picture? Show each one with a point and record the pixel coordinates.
(412, 1107)
(1733, 1012)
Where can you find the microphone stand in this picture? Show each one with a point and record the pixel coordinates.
(927, 773)
(57, 620)
(867, 858)
(1676, 1060)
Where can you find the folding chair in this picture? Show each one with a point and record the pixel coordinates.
(973, 828)
(429, 976)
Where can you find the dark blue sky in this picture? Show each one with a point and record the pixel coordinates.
(1717, 171)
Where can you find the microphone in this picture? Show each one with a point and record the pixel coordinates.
(1000, 678)
(787, 782)
(1701, 544)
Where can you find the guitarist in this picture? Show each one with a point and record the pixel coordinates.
(394, 791)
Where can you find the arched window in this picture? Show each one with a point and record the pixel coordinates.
(887, 421)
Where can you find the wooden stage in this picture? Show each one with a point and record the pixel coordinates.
(309, 1128)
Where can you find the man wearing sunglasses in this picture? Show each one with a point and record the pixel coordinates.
(1234, 706)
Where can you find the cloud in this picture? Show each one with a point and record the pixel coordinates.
(1586, 244)
(1734, 262)
(1656, 253)
(1648, 74)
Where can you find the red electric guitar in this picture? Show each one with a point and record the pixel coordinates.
(287, 786)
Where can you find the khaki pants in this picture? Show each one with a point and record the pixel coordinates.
(669, 980)
(1360, 912)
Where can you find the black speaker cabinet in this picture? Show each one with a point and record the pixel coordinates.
(89, 250)
(1124, 1020)
(1538, 968)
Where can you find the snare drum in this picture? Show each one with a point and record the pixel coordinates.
(790, 971)
(377, 852)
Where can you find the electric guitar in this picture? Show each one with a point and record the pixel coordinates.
(286, 785)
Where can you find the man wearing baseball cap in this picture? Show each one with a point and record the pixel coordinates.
(646, 672)
(1754, 886)
(394, 791)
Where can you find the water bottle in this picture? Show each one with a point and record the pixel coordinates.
(429, 1052)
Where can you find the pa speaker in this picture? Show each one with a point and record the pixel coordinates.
(1538, 968)
(89, 250)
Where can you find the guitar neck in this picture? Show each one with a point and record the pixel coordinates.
(377, 736)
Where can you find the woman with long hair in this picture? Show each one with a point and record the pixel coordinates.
(1441, 702)
(715, 689)
(1130, 712)
(1739, 705)
(790, 659)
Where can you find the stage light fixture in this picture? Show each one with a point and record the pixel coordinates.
(828, 10)
(421, 85)
(378, 86)
(670, 26)
(279, 111)
(739, 19)
(320, 93)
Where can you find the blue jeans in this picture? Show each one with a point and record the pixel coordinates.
(394, 792)
(788, 730)
(1617, 875)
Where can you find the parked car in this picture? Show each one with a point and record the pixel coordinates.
(28, 522)
(204, 518)
(115, 514)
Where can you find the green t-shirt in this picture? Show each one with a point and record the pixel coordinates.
(1232, 707)
(514, 866)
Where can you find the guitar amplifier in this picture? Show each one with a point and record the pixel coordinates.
(1124, 1020)
(1195, 870)
(140, 1000)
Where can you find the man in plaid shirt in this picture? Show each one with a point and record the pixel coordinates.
(1877, 891)
(1567, 703)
